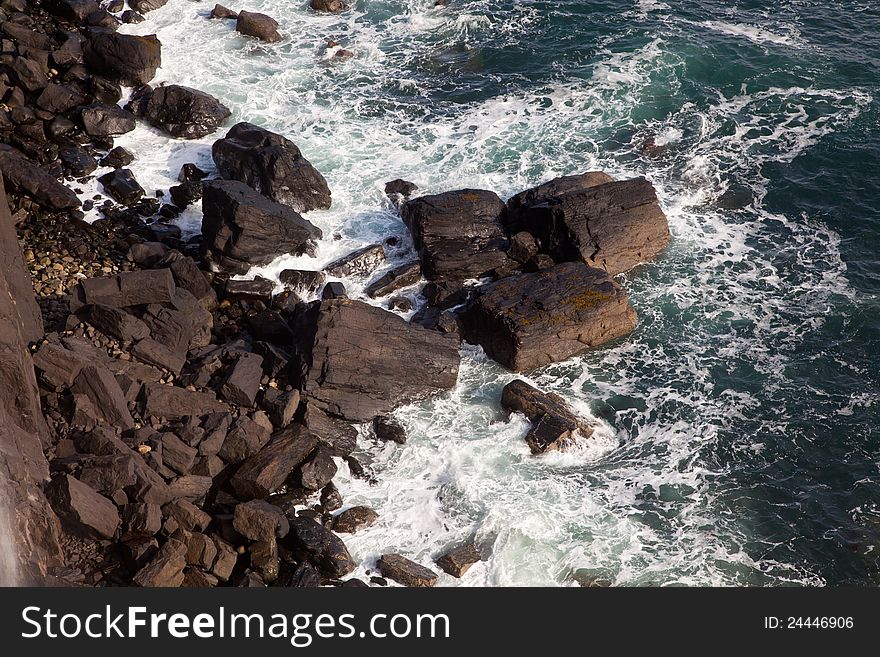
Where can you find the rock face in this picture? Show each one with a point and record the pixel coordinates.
(124, 58)
(272, 165)
(530, 320)
(263, 27)
(243, 228)
(458, 234)
(406, 572)
(613, 226)
(358, 361)
(516, 217)
(554, 425)
(85, 509)
(23, 467)
(184, 112)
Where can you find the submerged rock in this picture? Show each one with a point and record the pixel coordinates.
(554, 425)
(272, 165)
(530, 320)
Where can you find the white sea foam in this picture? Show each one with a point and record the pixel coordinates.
(639, 504)
(751, 32)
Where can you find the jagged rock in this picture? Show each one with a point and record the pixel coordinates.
(189, 277)
(155, 353)
(243, 383)
(264, 472)
(272, 165)
(305, 575)
(77, 161)
(133, 288)
(188, 515)
(406, 572)
(530, 320)
(219, 11)
(362, 262)
(264, 560)
(338, 436)
(141, 520)
(143, 6)
(83, 508)
(74, 11)
(244, 439)
(318, 470)
(190, 487)
(389, 429)
(29, 74)
(121, 185)
(200, 551)
(263, 27)
(24, 176)
(554, 425)
(319, 546)
(185, 194)
(516, 218)
(173, 402)
(328, 6)
(354, 519)
(124, 58)
(176, 454)
(458, 234)
(131, 16)
(334, 290)
(243, 228)
(102, 389)
(258, 520)
(101, 120)
(258, 289)
(281, 406)
(358, 361)
(331, 498)
(302, 279)
(184, 112)
(57, 98)
(166, 568)
(399, 190)
(613, 226)
(117, 158)
(109, 473)
(116, 323)
(401, 276)
(523, 247)
(225, 561)
(458, 561)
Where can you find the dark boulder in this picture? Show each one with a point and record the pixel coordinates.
(406, 572)
(130, 16)
(75, 11)
(83, 508)
(388, 429)
(264, 28)
(77, 161)
(57, 98)
(184, 112)
(530, 320)
(318, 470)
(523, 247)
(100, 386)
(23, 176)
(458, 561)
(265, 472)
(354, 519)
(614, 226)
(219, 11)
(143, 6)
(257, 289)
(29, 74)
(272, 165)
(401, 276)
(172, 402)
(101, 120)
(334, 290)
(116, 323)
(458, 234)
(186, 193)
(117, 158)
(516, 219)
(362, 262)
(311, 542)
(328, 6)
(245, 438)
(358, 361)
(132, 288)
(399, 190)
(243, 383)
(243, 228)
(554, 425)
(302, 279)
(258, 520)
(166, 568)
(121, 186)
(124, 58)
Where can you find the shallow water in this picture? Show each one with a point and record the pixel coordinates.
(738, 440)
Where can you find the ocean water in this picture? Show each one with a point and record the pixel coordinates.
(738, 440)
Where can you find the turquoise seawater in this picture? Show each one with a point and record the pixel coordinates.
(739, 441)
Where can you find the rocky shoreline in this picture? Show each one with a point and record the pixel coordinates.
(167, 424)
